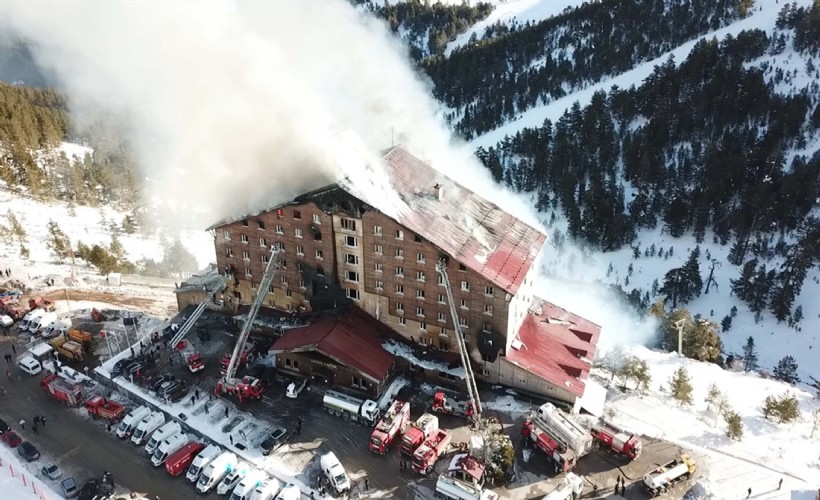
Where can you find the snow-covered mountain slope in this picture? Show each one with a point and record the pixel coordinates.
(507, 11)
(763, 17)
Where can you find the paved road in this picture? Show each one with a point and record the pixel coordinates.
(80, 444)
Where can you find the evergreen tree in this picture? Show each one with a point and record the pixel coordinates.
(797, 317)
(726, 323)
(786, 370)
(693, 277)
(734, 425)
(761, 289)
(57, 242)
(16, 228)
(681, 387)
(178, 259)
(784, 408)
(742, 286)
(749, 355)
(636, 369)
(702, 342)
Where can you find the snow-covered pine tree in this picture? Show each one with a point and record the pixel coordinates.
(680, 386)
(786, 370)
(734, 425)
(750, 355)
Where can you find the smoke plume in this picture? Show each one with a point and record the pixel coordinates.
(234, 106)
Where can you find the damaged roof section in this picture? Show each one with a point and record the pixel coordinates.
(206, 279)
(556, 345)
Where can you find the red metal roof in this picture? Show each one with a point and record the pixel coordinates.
(353, 340)
(476, 232)
(555, 345)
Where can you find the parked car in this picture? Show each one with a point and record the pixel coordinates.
(295, 388)
(89, 490)
(6, 321)
(275, 438)
(11, 439)
(4, 427)
(119, 366)
(30, 365)
(51, 471)
(69, 487)
(155, 383)
(28, 451)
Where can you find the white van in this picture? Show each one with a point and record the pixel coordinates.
(230, 481)
(6, 321)
(30, 365)
(56, 328)
(215, 471)
(147, 427)
(289, 492)
(167, 447)
(29, 319)
(334, 472)
(205, 457)
(130, 422)
(266, 490)
(160, 435)
(248, 483)
(41, 323)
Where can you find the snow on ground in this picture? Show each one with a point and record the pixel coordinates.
(73, 151)
(767, 452)
(763, 17)
(18, 481)
(505, 11)
(507, 404)
(391, 391)
(404, 351)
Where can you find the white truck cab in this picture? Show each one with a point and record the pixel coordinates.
(216, 471)
(29, 319)
(147, 427)
(334, 472)
(41, 323)
(267, 490)
(248, 483)
(205, 457)
(167, 447)
(130, 422)
(166, 431)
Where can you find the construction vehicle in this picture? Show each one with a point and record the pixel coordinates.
(62, 390)
(426, 455)
(192, 357)
(562, 459)
(389, 427)
(81, 337)
(571, 488)
(146, 427)
(100, 407)
(68, 349)
(418, 432)
(444, 405)
(247, 387)
(11, 306)
(456, 489)
(97, 315)
(41, 303)
(363, 411)
(564, 429)
(664, 477)
(627, 446)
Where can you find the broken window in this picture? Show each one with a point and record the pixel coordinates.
(487, 327)
(352, 276)
(245, 222)
(349, 224)
(352, 293)
(260, 224)
(462, 267)
(297, 214)
(317, 236)
(320, 270)
(417, 239)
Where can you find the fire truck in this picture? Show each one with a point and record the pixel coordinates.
(563, 429)
(389, 427)
(62, 390)
(247, 387)
(562, 459)
(192, 357)
(418, 431)
(622, 444)
(444, 405)
(571, 488)
(661, 479)
(426, 455)
(98, 406)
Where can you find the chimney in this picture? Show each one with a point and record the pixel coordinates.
(439, 191)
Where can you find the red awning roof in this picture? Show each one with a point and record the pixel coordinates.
(555, 345)
(353, 340)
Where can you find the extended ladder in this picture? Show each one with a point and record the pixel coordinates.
(191, 321)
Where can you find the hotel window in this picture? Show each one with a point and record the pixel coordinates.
(399, 234)
(320, 255)
(487, 327)
(420, 258)
(379, 285)
(417, 239)
(399, 307)
(248, 271)
(351, 259)
(420, 294)
(300, 267)
(399, 253)
(262, 242)
(463, 321)
(377, 230)
(300, 250)
(302, 284)
(283, 280)
(420, 312)
(442, 299)
(465, 304)
(297, 214)
(352, 293)
(229, 252)
(402, 321)
(420, 276)
(462, 267)
(316, 219)
(465, 286)
(227, 235)
(400, 289)
(246, 255)
(488, 310)
(351, 241)
(352, 276)
(378, 267)
(265, 259)
(441, 280)
(245, 222)
(297, 232)
(400, 272)
(423, 327)
(244, 238)
(378, 249)
(349, 224)
(489, 291)
(280, 229)
(442, 317)
(260, 224)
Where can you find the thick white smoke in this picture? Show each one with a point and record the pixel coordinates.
(237, 106)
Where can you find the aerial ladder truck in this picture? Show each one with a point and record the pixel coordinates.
(191, 321)
(248, 387)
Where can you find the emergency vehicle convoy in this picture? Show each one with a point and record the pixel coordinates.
(418, 432)
(389, 427)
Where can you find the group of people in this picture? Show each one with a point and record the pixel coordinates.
(39, 421)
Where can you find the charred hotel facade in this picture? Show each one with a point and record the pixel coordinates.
(378, 253)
